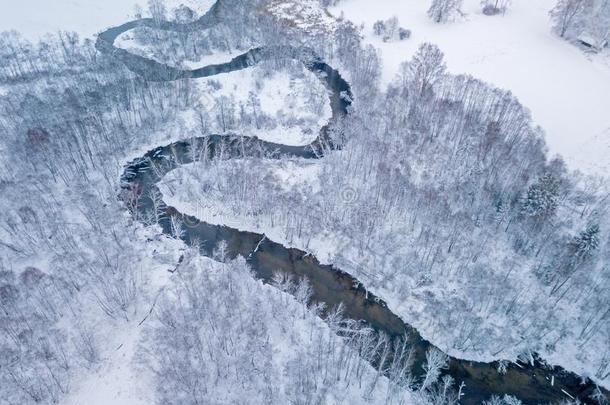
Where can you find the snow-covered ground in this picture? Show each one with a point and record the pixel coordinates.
(128, 42)
(36, 18)
(118, 379)
(183, 188)
(216, 58)
(567, 90)
(304, 15)
(297, 104)
(293, 334)
(286, 105)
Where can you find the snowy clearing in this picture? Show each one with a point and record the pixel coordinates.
(37, 18)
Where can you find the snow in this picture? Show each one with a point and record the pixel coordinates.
(307, 15)
(128, 42)
(198, 6)
(292, 333)
(290, 174)
(567, 90)
(299, 104)
(208, 192)
(123, 379)
(119, 379)
(216, 58)
(36, 18)
(116, 381)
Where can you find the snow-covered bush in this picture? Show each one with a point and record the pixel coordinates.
(74, 263)
(505, 400)
(404, 33)
(390, 30)
(494, 7)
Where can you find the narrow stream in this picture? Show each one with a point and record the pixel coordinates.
(531, 383)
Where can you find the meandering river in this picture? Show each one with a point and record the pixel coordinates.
(531, 383)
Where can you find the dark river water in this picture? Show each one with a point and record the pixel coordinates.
(531, 383)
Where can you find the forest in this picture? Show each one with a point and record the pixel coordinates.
(436, 192)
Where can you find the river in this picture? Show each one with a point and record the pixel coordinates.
(531, 383)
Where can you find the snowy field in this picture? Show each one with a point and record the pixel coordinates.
(567, 90)
(36, 18)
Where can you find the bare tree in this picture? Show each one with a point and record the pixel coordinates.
(436, 361)
(441, 11)
(425, 69)
(566, 15)
(157, 9)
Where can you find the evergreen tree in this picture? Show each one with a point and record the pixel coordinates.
(586, 242)
(542, 198)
